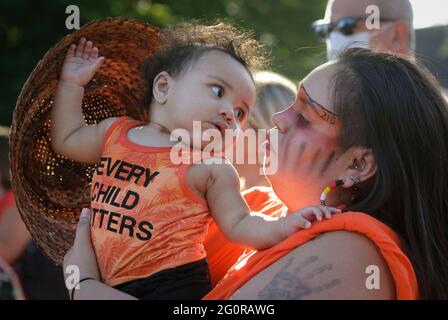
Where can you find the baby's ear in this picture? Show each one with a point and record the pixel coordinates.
(161, 86)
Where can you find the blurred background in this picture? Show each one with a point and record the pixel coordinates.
(29, 28)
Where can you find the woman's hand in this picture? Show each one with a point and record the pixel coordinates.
(302, 219)
(81, 255)
(81, 63)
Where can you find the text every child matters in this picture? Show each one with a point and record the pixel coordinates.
(116, 222)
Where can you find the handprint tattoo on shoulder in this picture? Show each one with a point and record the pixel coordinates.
(295, 283)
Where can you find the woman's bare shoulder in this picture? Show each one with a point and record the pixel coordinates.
(334, 265)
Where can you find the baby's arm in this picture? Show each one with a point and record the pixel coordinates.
(70, 136)
(246, 228)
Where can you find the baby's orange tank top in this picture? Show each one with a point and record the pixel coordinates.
(144, 217)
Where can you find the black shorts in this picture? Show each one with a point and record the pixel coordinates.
(187, 282)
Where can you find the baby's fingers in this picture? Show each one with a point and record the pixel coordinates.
(80, 47)
(299, 222)
(87, 50)
(328, 211)
(94, 53)
(71, 51)
(312, 213)
(317, 213)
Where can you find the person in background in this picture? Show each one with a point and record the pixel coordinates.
(40, 278)
(274, 93)
(346, 25)
(14, 236)
(10, 288)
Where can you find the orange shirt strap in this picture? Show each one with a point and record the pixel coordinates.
(386, 240)
(114, 126)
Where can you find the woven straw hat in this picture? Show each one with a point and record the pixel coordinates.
(51, 189)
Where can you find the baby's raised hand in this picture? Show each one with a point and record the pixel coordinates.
(302, 219)
(81, 63)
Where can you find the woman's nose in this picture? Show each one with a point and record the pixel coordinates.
(280, 120)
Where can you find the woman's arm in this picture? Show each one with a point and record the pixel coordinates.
(82, 256)
(96, 290)
(332, 266)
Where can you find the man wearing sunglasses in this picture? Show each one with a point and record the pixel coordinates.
(346, 25)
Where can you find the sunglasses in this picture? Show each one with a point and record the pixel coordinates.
(346, 26)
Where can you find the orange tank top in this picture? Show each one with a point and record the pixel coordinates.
(252, 262)
(144, 216)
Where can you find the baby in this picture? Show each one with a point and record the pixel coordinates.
(150, 216)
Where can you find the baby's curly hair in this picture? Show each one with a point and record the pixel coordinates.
(185, 43)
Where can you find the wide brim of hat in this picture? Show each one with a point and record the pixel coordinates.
(50, 189)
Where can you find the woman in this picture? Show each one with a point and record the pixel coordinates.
(373, 121)
(10, 288)
(274, 93)
(40, 278)
(14, 236)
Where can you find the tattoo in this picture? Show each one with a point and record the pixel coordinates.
(325, 115)
(320, 110)
(297, 283)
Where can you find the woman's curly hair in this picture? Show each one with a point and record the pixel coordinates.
(185, 43)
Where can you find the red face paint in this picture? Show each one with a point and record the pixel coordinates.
(309, 144)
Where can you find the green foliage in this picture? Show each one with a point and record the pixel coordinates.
(29, 28)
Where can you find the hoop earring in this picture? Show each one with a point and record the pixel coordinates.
(327, 191)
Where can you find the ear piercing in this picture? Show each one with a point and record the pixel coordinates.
(327, 191)
(357, 166)
(355, 179)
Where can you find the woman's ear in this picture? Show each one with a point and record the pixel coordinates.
(161, 86)
(361, 167)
